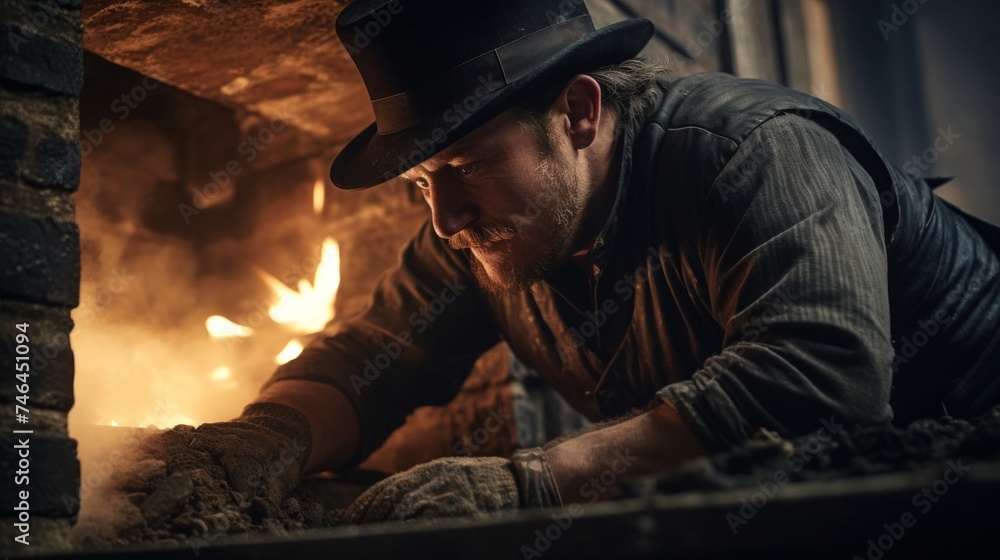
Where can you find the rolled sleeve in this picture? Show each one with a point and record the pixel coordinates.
(792, 248)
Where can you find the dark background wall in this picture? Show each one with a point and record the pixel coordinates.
(912, 72)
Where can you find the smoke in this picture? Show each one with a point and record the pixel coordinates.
(148, 282)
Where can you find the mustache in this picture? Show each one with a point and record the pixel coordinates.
(481, 236)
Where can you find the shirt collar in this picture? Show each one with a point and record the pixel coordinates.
(604, 244)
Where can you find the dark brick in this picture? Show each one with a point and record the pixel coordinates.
(51, 366)
(53, 474)
(57, 204)
(39, 260)
(32, 59)
(13, 144)
(57, 163)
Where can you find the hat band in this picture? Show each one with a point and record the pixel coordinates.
(479, 76)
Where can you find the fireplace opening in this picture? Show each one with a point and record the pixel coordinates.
(213, 248)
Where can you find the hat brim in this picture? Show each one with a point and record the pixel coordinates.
(371, 159)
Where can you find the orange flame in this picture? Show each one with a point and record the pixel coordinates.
(303, 311)
(220, 327)
(309, 309)
(319, 194)
(222, 373)
(289, 353)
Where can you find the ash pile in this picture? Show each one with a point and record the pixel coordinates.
(834, 452)
(186, 501)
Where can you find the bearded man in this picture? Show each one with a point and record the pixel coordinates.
(688, 261)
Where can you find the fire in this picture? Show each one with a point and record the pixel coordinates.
(306, 310)
(222, 373)
(206, 377)
(220, 327)
(319, 194)
(166, 422)
(290, 352)
(223, 378)
(160, 419)
(303, 311)
(309, 309)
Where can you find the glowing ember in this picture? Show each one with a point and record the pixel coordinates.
(309, 309)
(291, 351)
(161, 422)
(319, 193)
(166, 422)
(222, 373)
(220, 327)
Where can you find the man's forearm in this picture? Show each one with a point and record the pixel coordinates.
(333, 423)
(586, 467)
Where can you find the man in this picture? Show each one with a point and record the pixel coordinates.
(705, 258)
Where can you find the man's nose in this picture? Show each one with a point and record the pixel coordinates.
(451, 210)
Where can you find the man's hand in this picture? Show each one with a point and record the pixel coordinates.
(336, 430)
(458, 486)
(207, 478)
(261, 453)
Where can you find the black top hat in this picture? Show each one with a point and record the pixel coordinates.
(438, 69)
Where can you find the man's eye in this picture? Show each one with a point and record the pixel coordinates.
(467, 170)
(422, 183)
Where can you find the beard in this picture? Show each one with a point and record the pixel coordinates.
(510, 258)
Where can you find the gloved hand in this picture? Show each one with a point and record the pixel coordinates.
(246, 461)
(261, 453)
(459, 486)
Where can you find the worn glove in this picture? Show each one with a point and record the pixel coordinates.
(459, 486)
(179, 475)
(261, 453)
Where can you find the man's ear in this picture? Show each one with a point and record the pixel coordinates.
(579, 110)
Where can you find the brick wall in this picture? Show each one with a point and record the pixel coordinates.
(40, 80)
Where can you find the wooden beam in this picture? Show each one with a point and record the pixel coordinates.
(753, 39)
